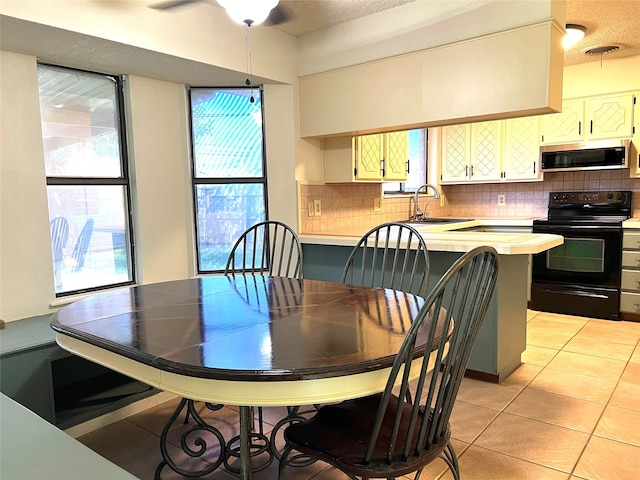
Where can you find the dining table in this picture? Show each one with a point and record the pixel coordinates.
(244, 340)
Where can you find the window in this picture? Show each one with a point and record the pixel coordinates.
(418, 142)
(229, 170)
(87, 179)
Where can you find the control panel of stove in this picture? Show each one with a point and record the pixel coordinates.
(582, 198)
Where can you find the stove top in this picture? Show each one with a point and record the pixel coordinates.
(600, 207)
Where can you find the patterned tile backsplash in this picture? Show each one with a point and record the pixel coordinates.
(353, 204)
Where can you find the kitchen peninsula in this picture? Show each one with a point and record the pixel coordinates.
(502, 338)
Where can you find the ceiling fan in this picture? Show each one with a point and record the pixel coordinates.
(251, 12)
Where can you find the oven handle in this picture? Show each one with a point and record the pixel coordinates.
(558, 229)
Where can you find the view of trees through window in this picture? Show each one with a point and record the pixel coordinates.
(229, 174)
(87, 179)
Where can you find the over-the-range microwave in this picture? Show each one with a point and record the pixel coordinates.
(585, 156)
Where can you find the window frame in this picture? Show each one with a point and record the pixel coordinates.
(124, 180)
(196, 181)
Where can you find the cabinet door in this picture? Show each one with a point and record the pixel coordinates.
(396, 155)
(522, 149)
(610, 117)
(455, 153)
(369, 154)
(486, 150)
(634, 153)
(564, 127)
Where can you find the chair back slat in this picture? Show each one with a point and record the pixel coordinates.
(392, 255)
(453, 311)
(267, 248)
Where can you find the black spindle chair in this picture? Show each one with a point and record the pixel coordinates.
(386, 435)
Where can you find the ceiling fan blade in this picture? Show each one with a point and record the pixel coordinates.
(170, 4)
(279, 14)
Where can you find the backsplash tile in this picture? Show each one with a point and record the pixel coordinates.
(352, 204)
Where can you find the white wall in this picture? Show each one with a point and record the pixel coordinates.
(26, 272)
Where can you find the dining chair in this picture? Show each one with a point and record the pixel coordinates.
(82, 245)
(385, 435)
(391, 255)
(269, 248)
(266, 248)
(59, 227)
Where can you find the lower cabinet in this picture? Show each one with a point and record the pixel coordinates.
(630, 295)
(60, 387)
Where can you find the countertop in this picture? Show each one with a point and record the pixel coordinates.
(632, 223)
(445, 237)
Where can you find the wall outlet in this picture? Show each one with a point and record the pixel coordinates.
(377, 204)
(502, 200)
(317, 207)
(311, 209)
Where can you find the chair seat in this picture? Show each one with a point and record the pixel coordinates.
(339, 434)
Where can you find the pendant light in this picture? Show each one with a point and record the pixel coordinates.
(251, 12)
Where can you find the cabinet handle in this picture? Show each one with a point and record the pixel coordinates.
(472, 170)
(466, 170)
(408, 165)
(534, 168)
(382, 167)
(580, 128)
(591, 126)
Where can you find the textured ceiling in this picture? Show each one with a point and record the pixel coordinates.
(608, 22)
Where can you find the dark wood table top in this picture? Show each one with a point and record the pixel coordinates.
(246, 328)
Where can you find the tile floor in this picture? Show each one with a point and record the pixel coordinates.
(571, 411)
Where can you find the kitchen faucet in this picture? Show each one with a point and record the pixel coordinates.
(417, 213)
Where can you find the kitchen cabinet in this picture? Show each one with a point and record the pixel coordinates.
(521, 149)
(490, 151)
(600, 117)
(471, 152)
(379, 157)
(634, 152)
(630, 295)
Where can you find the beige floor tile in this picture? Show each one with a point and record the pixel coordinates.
(620, 424)
(557, 409)
(632, 328)
(598, 348)
(635, 356)
(481, 464)
(154, 419)
(605, 459)
(522, 375)
(540, 356)
(574, 384)
(534, 441)
(596, 366)
(490, 395)
(438, 468)
(560, 318)
(550, 334)
(595, 331)
(632, 374)
(115, 438)
(469, 420)
(626, 395)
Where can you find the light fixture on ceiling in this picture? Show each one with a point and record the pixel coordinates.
(251, 12)
(575, 33)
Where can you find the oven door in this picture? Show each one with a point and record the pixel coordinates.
(590, 255)
(581, 276)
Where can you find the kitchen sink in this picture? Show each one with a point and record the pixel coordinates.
(432, 220)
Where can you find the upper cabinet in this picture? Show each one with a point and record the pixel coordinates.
(490, 151)
(382, 157)
(596, 118)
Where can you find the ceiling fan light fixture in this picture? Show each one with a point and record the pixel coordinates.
(575, 33)
(250, 12)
